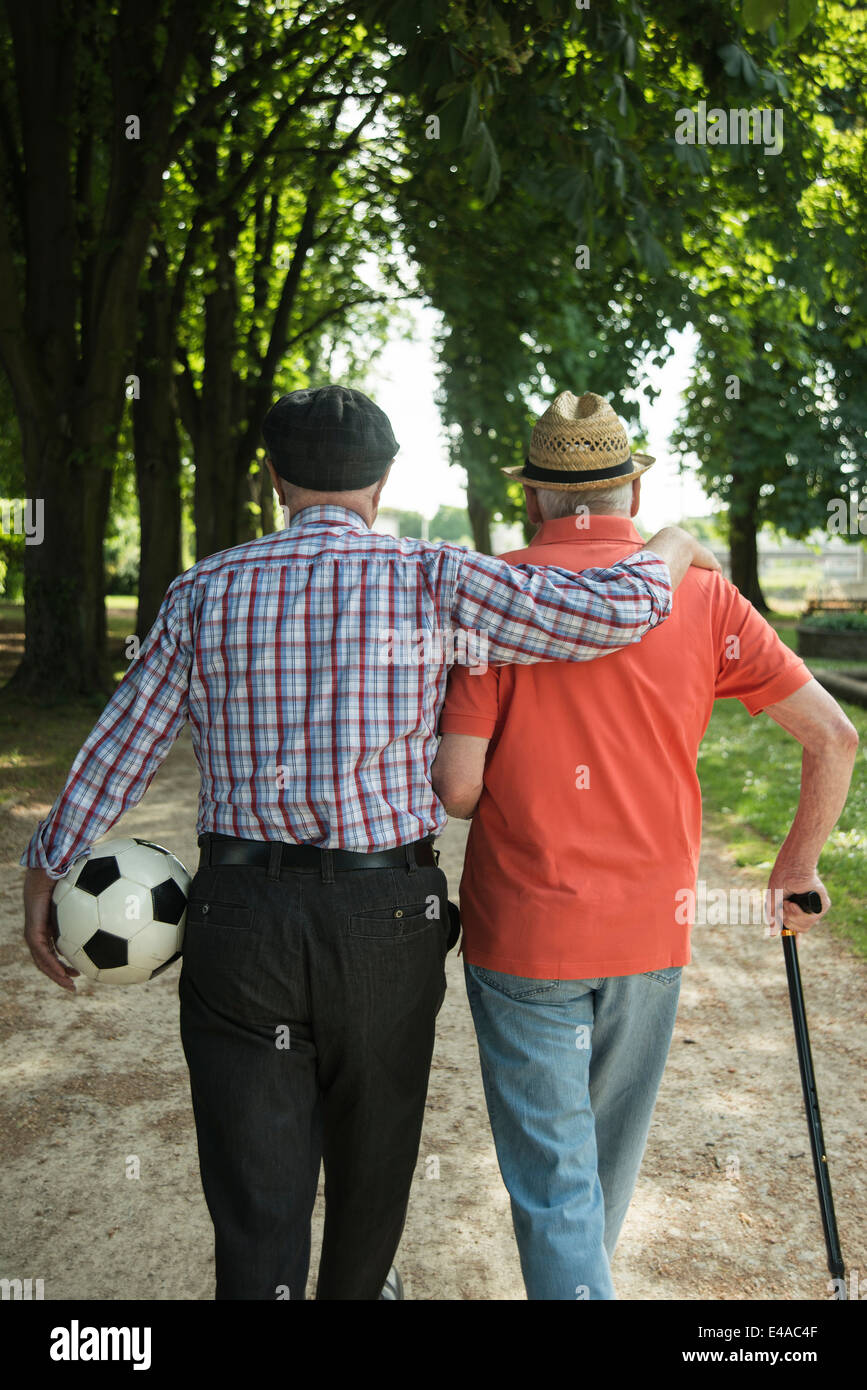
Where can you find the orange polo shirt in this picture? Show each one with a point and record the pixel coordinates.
(589, 824)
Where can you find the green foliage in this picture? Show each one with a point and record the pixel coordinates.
(289, 238)
(580, 109)
(287, 205)
(836, 622)
(11, 465)
(121, 552)
(12, 544)
(788, 17)
(452, 524)
(410, 523)
(780, 305)
(121, 543)
(710, 530)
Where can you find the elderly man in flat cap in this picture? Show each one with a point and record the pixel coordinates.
(317, 924)
(581, 861)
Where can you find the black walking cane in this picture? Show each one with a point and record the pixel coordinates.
(811, 902)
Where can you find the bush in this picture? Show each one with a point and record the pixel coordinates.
(836, 622)
(121, 555)
(11, 563)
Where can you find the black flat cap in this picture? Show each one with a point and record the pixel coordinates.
(332, 439)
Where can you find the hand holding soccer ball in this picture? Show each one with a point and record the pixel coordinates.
(118, 915)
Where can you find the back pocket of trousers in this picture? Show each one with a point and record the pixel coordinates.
(392, 923)
(666, 975)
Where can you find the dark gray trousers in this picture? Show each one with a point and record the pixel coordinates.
(308, 1003)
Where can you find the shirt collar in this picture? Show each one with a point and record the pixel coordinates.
(586, 528)
(328, 515)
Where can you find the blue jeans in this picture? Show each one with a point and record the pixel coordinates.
(571, 1069)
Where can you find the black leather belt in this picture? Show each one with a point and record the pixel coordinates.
(229, 851)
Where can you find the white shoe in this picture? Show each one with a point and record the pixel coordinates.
(393, 1286)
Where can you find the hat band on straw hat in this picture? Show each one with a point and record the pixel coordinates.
(583, 475)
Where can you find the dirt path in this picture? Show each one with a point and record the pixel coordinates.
(725, 1207)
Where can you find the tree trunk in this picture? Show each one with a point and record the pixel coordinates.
(743, 545)
(65, 642)
(257, 511)
(248, 518)
(221, 478)
(157, 472)
(267, 500)
(220, 496)
(480, 519)
(157, 452)
(78, 202)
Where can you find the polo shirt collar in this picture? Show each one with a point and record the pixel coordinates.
(328, 515)
(592, 528)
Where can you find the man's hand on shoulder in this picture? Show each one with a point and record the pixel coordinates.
(680, 550)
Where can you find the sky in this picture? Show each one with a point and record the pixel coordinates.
(403, 382)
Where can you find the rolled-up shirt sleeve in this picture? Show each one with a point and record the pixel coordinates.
(530, 613)
(130, 740)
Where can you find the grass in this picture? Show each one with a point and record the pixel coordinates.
(750, 772)
(787, 628)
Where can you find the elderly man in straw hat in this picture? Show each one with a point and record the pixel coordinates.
(582, 855)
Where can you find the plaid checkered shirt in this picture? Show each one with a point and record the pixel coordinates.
(312, 664)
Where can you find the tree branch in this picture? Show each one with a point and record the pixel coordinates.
(236, 85)
(188, 397)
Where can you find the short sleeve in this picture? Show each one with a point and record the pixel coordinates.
(755, 665)
(472, 702)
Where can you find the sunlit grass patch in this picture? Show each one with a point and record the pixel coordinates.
(750, 772)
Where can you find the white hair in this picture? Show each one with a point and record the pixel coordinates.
(299, 497)
(607, 501)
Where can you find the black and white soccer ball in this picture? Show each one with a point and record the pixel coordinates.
(120, 911)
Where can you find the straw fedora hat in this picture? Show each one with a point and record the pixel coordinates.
(579, 442)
